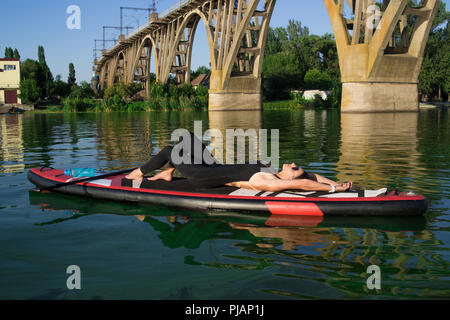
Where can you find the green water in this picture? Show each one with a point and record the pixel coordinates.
(129, 251)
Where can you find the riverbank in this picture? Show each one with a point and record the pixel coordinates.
(433, 105)
(170, 104)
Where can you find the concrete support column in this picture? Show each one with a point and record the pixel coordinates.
(242, 93)
(379, 97)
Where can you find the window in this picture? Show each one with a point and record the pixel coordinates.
(10, 67)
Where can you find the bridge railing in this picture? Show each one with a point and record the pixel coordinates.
(161, 15)
(173, 8)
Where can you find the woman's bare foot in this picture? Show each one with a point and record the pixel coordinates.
(135, 175)
(164, 175)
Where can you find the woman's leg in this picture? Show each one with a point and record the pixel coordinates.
(188, 170)
(164, 175)
(155, 163)
(197, 152)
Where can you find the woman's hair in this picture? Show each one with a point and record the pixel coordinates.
(307, 175)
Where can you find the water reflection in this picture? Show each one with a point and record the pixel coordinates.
(338, 250)
(246, 126)
(379, 149)
(11, 143)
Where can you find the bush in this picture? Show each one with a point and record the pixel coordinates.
(77, 104)
(186, 90)
(282, 72)
(202, 91)
(162, 97)
(336, 94)
(317, 80)
(317, 103)
(157, 90)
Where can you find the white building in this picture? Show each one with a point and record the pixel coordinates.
(9, 81)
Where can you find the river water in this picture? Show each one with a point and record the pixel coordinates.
(127, 251)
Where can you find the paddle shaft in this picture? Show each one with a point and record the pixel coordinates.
(63, 184)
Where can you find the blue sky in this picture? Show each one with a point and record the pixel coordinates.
(27, 24)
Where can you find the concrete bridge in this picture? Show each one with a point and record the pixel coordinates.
(380, 56)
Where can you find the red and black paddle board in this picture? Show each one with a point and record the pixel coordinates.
(179, 193)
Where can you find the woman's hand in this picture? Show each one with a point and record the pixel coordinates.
(344, 186)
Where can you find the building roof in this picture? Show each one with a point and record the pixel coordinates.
(9, 59)
(202, 79)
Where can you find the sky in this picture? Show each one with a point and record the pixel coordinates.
(26, 24)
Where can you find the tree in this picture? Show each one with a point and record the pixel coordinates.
(47, 75)
(318, 80)
(61, 88)
(29, 91)
(32, 70)
(71, 80)
(281, 73)
(9, 53)
(434, 78)
(16, 54)
(41, 55)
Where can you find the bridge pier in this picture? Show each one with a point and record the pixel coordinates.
(242, 93)
(380, 52)
(379, 97)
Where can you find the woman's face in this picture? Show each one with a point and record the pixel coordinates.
(291, 171)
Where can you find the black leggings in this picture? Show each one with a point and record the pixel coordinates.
(203, 173)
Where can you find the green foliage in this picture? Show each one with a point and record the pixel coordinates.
(200, 70)
(202, 91)
(281, 74)
(60, 88)
(162, 97)
(290, 53)
(71, 79)
(317, 80)
(157, 90)
(47, 77)
(434, 78)
(29, 90)
(80, 99)
(186, 90)
(16, 54)
(41, 55)
(316, 103)
(78, 104)
(32, 79)
(9, 53)
(335, 97)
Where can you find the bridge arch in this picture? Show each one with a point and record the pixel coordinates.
(119, 69)
(140, 63)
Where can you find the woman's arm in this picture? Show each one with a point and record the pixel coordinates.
(260, 182)
(274, 185)
(321, 179)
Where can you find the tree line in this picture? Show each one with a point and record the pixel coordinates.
(11, 54)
